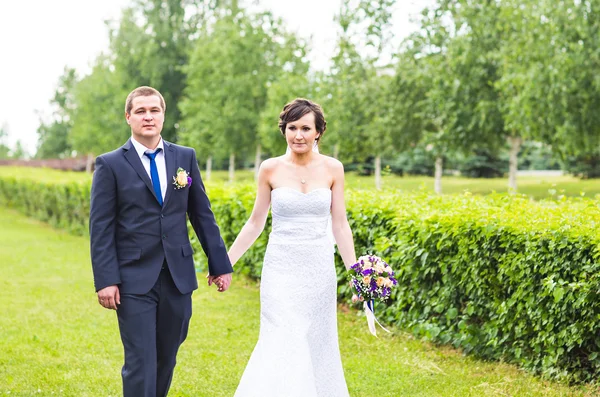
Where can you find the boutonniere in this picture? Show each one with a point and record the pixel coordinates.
(182, 179)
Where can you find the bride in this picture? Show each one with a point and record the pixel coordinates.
(297, 353)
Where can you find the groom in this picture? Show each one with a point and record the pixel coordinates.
(141, 254)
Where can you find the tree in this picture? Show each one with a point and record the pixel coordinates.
(452, 66)
(423, 75)
(358, 87)
(549, 82)
(342, 96)
(53, 137)
(229, 71)
(163, 44)
(515, 60)
(280, 92)
(289, 80)
(98, 121)
(149, 45)
(410, 111)
(18, 152)
(4, 148)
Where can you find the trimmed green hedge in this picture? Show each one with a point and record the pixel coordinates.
(502, 277)
(499, 276)
(62, 205)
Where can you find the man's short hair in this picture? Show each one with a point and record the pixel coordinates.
(143, 91)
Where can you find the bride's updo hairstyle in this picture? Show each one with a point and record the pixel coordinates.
(299, 107)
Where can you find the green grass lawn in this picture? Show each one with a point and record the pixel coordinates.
(55, 340)
(532, 186)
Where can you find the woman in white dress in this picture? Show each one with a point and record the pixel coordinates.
(297, 353)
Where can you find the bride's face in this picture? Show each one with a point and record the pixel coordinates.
(302, 133)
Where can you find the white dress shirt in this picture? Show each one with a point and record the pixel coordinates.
(160, 162)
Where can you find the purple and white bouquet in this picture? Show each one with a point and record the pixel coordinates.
(372, 279)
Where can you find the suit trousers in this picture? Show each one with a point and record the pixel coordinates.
(152, 327)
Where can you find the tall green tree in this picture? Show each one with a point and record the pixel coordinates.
(286, 88)
(167, 32)
(18, 152)
(229, 72)
(549, 82)
(516, 60)
(342, 96)
(4, 148)
(98, 121)
(53, 137)
(290, 80)
(149, 45)
(423, 75)
(358, 93)
(451, 61)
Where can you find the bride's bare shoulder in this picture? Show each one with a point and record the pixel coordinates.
(271, 164)
(332, 163)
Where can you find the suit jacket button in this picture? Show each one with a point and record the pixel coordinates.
(164, 236)
(162, 216)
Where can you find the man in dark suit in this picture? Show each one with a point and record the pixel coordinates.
(141, 254)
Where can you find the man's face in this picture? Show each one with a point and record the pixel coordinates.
(146, 117)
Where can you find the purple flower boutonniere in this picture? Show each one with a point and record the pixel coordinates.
(182, 179)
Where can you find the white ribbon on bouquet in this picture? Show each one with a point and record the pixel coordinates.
(371, 320)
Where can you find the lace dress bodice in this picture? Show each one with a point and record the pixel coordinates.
(300, 218)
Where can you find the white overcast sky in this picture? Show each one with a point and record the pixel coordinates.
(38, 38)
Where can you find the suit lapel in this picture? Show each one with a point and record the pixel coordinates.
(134, 160)
(171, 165)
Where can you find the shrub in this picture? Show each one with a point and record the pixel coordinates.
(483, 164)
(584, 165)
(502, 277)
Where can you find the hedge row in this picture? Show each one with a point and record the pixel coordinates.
(501, 277)
(504, 278)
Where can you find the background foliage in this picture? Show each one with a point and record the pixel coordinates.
(502, 277)
(474, 74)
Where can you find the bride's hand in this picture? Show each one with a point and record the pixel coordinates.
(222, 282)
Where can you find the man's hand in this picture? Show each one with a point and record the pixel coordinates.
(223, 281)
(109, 297)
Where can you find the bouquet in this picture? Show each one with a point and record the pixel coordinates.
(373, 279)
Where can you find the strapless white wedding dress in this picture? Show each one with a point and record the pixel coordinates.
(297, 354)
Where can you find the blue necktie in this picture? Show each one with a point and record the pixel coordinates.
(154, 175)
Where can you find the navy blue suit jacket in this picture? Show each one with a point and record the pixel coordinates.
(131, 234)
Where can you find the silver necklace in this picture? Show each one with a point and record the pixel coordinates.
(302, 180)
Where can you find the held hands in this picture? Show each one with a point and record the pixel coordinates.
(222, 282)
(109, 297)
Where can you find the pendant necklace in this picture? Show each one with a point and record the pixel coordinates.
(302, 179)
